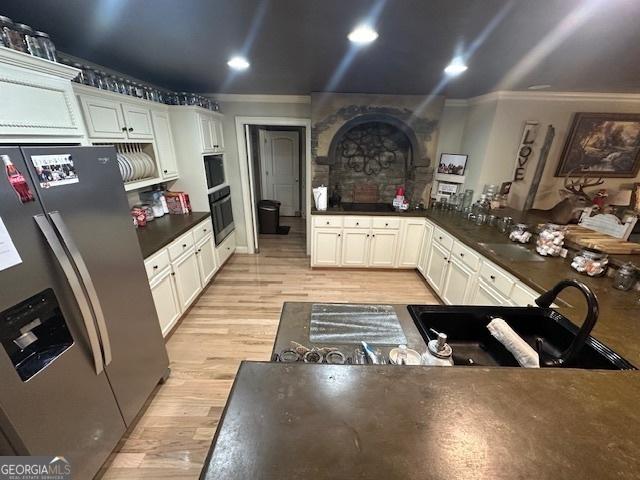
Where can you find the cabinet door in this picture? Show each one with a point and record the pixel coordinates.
(206, 251)
(383, 248)
(164, 142)
(218, 135)
(485, 295)
(437, 264)
(326, 247)
(412, 237)
(206, 136)
(523, 296)
(165, 298)
(187, 278)
(138, 121)
(355, 248)
(457, 283)
(426, 247)
(103, 118)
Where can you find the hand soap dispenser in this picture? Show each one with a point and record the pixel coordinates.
(438, 353)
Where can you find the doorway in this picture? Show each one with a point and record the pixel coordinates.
(275, 165)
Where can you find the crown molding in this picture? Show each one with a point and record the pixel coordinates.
(554, 96)
(36, 64)
(239, 97)
(456, 102)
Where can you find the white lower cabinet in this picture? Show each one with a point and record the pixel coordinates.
(165, 298)
(412, 238)
(384, 246)
(179, 272)
(361, 241)
(355, 248)
(462, 276)
(427, 234)
(226, 249)
(484, 294)
(437, 262)
(187, 278)
(207, 265)
(457, 283)
(326, 247)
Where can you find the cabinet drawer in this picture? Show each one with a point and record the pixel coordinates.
(466, 256)
(327, 221)
(357, 222)
(496, 278)
(202, 230)
(157, 263)
(386, 222)
(523, 296)
(443, 238)
(181, 245)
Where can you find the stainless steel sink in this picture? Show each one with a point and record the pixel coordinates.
(512, 252)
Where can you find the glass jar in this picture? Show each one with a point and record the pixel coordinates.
(625, 277)
(504, 224)
(148, 212)
(30, 39)
(101, 81)
(550, 240)
(481, 218)
(47, 48)
(520, 233)
(12, 36)
(590, 262)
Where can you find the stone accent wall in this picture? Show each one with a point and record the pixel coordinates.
(330, 112)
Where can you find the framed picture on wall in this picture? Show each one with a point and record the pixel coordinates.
(452, 163)
(602, 145)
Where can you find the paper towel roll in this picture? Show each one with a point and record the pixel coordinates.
(320, 196)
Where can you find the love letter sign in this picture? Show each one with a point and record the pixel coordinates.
(525, 150)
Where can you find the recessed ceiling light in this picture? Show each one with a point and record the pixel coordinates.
(542, 86)
(362, 35)
(238, 63)
(456, 67)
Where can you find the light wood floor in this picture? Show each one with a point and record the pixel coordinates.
(236, 319)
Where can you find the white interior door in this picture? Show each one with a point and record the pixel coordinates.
(280, 169)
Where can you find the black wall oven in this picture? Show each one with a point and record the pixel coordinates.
(221, 214)
(214, 169)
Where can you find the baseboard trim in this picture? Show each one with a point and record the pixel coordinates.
(242, 249)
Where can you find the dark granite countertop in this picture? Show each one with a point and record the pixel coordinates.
(295, 322)
(355, 421)
(341, 211)
(619, 322)
(162, 231)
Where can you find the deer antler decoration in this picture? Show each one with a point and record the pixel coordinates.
(578, 185)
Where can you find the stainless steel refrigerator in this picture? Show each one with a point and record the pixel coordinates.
(81, 346)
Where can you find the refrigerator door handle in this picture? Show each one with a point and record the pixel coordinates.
(76, 288)
(76, 256)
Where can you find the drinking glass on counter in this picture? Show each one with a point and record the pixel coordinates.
(625, 277)
(504, 224)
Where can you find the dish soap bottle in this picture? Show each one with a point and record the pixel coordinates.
(438, 352)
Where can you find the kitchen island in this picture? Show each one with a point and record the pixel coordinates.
(369, 421)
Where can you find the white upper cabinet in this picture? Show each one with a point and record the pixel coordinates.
(104, 118)
(211, 134)
(37, 100)
(138, 122)
(164, 142)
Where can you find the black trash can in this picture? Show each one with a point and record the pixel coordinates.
(268, 216)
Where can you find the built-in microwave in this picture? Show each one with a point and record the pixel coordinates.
(214, 169)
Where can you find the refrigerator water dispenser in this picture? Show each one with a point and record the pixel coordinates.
(34, 333)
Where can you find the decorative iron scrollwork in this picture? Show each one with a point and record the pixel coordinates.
(372, 147)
